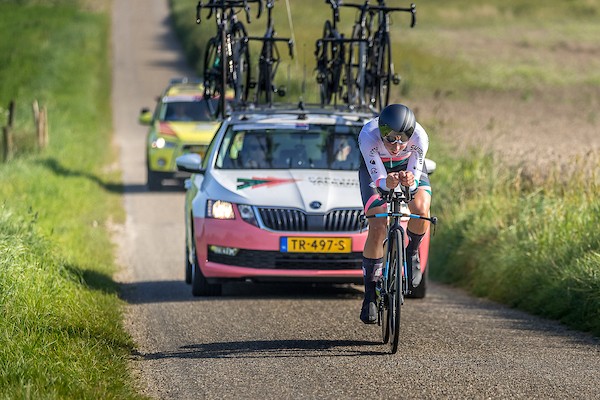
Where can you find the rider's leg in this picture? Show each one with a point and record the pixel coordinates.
(416, 230)
(372, 264)
(373, 250)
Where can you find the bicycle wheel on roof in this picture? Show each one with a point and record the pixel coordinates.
(212, 68)
(240, 71)
(386, 71)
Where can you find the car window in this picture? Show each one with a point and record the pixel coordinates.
(307, 147)
(199, 110)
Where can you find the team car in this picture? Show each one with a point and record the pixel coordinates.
(276, 198)
(183, 122)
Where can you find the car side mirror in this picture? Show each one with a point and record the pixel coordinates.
(430, 165)
(190, 162)
(145, 117)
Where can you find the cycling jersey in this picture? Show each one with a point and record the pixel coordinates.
(377, 162)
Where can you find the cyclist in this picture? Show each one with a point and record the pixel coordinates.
(393, 148)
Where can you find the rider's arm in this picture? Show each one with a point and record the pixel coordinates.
(369, 148)
(418, 146)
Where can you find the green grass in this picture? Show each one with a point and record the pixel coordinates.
(61, 333)
(528, 241)
(534, 246)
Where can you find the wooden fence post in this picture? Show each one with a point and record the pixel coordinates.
(44, 117)
(41, 124)
(7, 133)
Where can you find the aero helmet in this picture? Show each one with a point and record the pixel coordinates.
(397, 118)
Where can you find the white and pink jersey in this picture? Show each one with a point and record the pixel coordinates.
(379, 161)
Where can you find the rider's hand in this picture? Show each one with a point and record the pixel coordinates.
(406, 178)
(392, 180)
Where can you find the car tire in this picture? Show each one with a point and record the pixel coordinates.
(188, 266)
(200, 286)
(154, 181)
(420, 291)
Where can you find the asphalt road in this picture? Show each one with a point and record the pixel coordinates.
(287, 341)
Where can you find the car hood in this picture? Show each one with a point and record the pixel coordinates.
(192, 132)
(311, 190)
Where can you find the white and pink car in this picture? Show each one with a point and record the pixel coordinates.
(276, 198)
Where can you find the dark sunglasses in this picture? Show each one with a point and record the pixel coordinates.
(397, 138)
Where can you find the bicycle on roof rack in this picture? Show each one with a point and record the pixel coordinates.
(330, 54)
(379, 72)
(358, 49)
(268, 61)
(227, 56)
(362, 74)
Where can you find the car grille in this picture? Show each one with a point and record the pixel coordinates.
(294, 220)
(278, 260)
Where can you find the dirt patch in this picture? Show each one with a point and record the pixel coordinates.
(541, 128)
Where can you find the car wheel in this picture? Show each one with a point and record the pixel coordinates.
(154, 181)
(188, 266)
(200, 286)
(419, 291)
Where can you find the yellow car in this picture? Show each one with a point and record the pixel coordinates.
(183, 122)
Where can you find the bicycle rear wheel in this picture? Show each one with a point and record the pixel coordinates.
(328, 72)
(265, 73)
(355, 66)
(241, 62)
(385, 68)
(212, 68)
(379, 72)
(394, 290)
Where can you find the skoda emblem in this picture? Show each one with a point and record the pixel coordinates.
(315, 205)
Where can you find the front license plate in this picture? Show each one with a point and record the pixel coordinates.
(315, 245)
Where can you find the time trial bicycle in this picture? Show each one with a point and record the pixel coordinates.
(396, 279)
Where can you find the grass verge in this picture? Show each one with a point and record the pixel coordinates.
(61, 320)
(529, 243)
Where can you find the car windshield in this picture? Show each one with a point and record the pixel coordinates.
(300, 147)
(198, 110)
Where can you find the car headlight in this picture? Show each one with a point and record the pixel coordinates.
(247, 214)
(219, 209)
(161, 143)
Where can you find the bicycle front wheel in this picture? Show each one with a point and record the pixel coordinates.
(394, 290)
(382, 303)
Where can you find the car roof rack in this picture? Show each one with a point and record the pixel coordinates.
(302, 112)
(301, 109)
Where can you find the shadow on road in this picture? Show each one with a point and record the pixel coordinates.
(114, 187)
(270, 348)
(179, 291)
